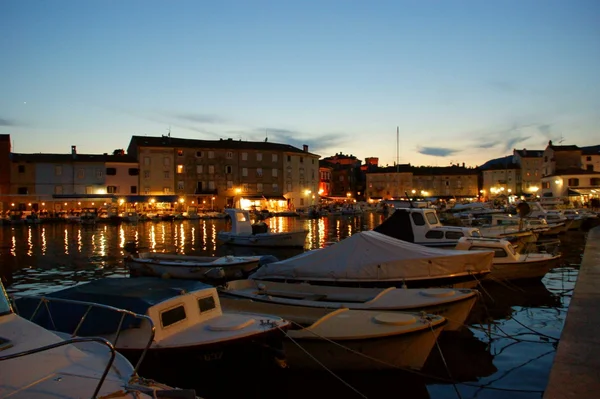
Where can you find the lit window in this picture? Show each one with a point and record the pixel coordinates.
(180, 169)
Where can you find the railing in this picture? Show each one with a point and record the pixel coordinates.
(90, 305)
(69, 342)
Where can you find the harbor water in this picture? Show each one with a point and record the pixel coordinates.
(506, 350)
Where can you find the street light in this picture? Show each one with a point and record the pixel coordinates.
(211, 203)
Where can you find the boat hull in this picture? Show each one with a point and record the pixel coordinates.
(192, 272)
(520, 270)
(466, 280)
(180, 365)
(404, 351)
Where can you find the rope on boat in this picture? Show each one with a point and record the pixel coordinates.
(321, 364)
(481, 286)
(437, 344)
(416, 372)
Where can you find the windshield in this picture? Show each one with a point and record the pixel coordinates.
(4, 304)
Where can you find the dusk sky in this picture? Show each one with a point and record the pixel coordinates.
(465, 81)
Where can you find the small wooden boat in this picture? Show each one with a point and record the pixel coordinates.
(454, 304)
(36, 363)
(176, 326)
(344, 339)
(508, 264)
(191, 267)
(244, 233)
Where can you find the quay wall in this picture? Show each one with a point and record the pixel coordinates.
(576, 369)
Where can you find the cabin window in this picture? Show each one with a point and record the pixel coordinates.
(418, 219)
(454, 235)
(207, 303)
(498, 252)
(434, 233)
(172, 316)
(431, 218)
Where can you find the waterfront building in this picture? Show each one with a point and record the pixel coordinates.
(531, 163)
(566, 179)
(226, 173)
(390, 182)
(590, 158)
(57, 182)
(394, 182)
(501, 180)
(445, 182)
(5, 149)
(325, 176)
(347, 179)
(301, 178)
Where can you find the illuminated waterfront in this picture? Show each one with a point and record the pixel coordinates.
(46, 257)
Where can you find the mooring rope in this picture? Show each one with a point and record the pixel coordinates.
(321, 364)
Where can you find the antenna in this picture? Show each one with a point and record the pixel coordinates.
(169, 134)
(561, 139)
(397, 149)
(266, 135)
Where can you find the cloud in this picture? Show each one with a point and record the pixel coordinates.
(201, 118)
(7, 122)
(321, 142)
(489, 144)
(510, 144)
(545, 130)
(436, 151)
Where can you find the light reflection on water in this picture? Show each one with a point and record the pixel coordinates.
(43, 258)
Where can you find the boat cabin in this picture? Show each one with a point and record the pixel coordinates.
(422, 226)
(173, 306)
(502, 248)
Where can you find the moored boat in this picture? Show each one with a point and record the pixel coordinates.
(454, 305)
(190, 327)
(372, 259)
(203, 268)
(244, 233)
(36, 363)
(508, 264)
(344, 339)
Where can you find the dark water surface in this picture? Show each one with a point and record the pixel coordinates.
(507, 350)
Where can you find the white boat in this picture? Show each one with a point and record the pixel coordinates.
(191, 213)
(88, 216)
(190, 327)
(343, 339)
(369, 258)
(422, 226)
(201, 268)
(244, 233)
(130, 216)
(508, 264)
(454, 305)
(36, 363)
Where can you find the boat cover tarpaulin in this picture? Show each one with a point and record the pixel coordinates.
(372, 256)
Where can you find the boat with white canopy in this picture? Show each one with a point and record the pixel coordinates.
(369, 259)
